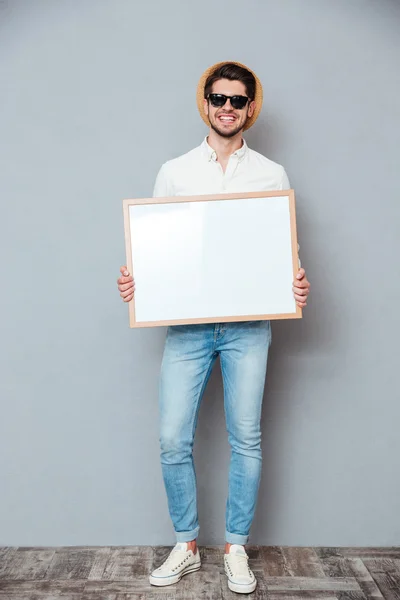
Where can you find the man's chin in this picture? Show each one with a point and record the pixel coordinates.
(224, 133)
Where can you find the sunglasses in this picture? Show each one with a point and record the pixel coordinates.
(237, 102)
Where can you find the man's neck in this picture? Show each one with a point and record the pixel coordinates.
(224, 147)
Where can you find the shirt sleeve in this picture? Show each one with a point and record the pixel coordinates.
(163, 185)
(285, 185)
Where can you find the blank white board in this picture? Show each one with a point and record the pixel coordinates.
(199, 259)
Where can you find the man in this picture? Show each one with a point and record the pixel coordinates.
(229, 101)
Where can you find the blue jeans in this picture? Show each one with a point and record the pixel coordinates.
(189, 355)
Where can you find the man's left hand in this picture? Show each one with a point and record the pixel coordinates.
(301, 288)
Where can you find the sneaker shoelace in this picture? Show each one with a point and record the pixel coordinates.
(176, 558)
(240, 564)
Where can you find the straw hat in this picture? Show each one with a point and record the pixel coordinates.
(200, 93)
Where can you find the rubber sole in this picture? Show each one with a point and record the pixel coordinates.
(163, 582)
(242, 589)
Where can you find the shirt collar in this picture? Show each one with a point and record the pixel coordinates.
(212, 155)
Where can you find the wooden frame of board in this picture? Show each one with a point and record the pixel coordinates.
(220, 319)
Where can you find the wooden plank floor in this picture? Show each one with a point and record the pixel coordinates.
(121, 573)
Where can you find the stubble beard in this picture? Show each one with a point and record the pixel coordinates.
(226, 134)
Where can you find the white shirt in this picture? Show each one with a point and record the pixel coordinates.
(198, 172)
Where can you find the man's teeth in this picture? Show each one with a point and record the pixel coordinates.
(227, 118)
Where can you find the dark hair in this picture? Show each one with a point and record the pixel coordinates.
(233, 73)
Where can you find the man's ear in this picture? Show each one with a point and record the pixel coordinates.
(252, 108)
(206, 106)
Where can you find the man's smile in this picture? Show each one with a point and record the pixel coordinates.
(227, 118)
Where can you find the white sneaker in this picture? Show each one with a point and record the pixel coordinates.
(180, 562)
(240, 578)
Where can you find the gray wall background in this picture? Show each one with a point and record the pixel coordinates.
(95, 96)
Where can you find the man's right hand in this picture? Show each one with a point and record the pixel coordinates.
(126, 285)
